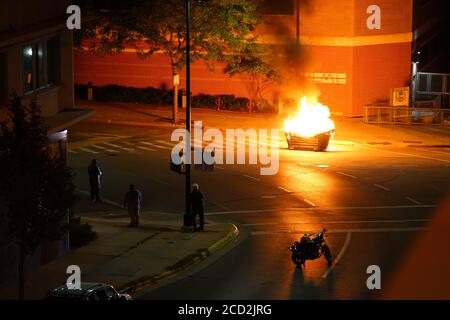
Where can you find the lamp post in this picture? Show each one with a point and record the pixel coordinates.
(187, 221)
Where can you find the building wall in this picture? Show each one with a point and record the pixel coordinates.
(335, 42)
(24, 23)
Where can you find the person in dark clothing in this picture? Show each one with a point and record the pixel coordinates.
(132, 202)
(197, 207)
(94, 180)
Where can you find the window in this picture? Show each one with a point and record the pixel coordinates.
(40, 64)
(53, 60)
(3, 78)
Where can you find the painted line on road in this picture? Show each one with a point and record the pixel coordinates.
(171, 144)
(423, 206)
(412, 200)
(268, 197)
(381, 187)
(344, 248)
(155, 145)
(337, 222)
(434, 151)
(112, 145)
(357, 230)
(284, 189)
(145, 148)
(312, 204)
(104, 149)
(346, 174)
(250, 177)
(72, 151)
(88, 150)
(406, 154)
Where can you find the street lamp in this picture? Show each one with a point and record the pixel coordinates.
(188, 221)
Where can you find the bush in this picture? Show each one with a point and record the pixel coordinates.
(80, 234)
(154, 96)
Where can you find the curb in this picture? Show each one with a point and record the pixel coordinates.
(190, 260)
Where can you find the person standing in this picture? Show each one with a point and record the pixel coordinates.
(198, 207)
(132, 202)
(94, 180)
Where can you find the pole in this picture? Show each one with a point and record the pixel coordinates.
(187, 215)
(297, 12)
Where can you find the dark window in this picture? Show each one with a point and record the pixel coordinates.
(3, 78)
(277, 7)
(53, 60)
(28, 69)
(40, 64)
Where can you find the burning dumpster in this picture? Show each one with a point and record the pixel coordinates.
(311, 128)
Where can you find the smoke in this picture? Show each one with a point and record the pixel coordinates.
(290, 56)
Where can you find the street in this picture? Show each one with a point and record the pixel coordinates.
(374, 200)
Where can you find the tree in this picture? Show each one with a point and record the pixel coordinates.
(262, 73)
(221, 30)
(36, 186)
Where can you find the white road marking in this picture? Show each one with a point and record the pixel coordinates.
(268, 197)
(344, 248)
(112, 145)
(156, 145)
(104, 149)
(381, 187)
(434, 151)
(412, 200)
(72, 151)
(356, 230)
(88, 150)
(323, 166)
(406, 154)
(145, 148)
(284, 189)
(128, 143)
(168, 143)
(346, 174)
(250, 177)
(336, 222)
(312, 204)
(295, 210)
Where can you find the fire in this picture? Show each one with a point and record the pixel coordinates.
(312, 119)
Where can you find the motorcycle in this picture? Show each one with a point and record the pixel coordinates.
(310, 249)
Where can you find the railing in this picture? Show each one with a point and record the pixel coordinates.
(374, 114)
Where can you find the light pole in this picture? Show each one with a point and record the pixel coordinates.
(187, 221)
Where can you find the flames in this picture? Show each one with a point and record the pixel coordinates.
(312, 119)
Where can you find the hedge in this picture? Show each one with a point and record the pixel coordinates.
(153, 96)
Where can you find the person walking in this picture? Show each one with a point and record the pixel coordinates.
(198, 207)
(94, 181)
(132, 202)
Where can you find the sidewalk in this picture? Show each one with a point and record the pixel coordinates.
(127, 257)
(348, 130)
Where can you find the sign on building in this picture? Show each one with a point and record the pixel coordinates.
(400, 97)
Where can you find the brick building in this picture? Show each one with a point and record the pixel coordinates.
(355, 51)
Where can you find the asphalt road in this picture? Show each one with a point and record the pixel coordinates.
(374, 200)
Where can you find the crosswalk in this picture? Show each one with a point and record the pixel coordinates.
(144, 146)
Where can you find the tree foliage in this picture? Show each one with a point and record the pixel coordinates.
(221, 30)
(36, 187)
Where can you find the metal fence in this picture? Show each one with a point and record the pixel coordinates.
(374, 114)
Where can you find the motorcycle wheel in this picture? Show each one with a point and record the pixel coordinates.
(297, 260)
